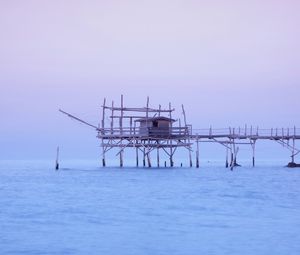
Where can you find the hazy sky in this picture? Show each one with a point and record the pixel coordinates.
(229, 63)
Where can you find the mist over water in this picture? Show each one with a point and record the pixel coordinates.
(83, 208)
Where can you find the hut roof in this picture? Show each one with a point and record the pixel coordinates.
(150, 119)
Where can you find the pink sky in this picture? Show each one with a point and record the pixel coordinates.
(229, 62)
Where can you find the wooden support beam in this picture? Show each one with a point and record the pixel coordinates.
(148, 158)
(121, 119)
(137, 156)
(57, 157)
(171, 147)
(293, 147)
(253, 152)
(125, 109)
(130, 131)
(226, 164)
(121, 129)
(189, 140)
(103, 126)
(232, 149)
(157, 154)
(112, 119)
(144, 156)
(121, 159)
(197, 153)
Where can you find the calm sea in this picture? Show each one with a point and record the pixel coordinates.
(85, 209)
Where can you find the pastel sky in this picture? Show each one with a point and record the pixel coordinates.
(229, 62)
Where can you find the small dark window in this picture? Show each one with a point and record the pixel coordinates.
(155, 124)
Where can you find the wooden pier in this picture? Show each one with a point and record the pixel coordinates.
(147, 130)
(231, 138)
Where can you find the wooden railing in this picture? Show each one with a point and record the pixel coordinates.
(248, 132)
(147, 131)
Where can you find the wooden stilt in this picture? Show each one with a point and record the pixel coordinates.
(103, 160)
(112, 118)
(57, 156)
(231, 149)
(121, 131)
(293, 149)
(157, 155)
(144, 157)
(149, 159)
(103, 121)
(226, 164)
(171, 157)
(197, 153)
(231, 159)
(170, 139)
(253, 153)
(188, 135)
(137, 156)
(232, 155)
(121, 159)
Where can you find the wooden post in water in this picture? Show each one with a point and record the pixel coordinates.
(148, 153)
(233, 156)
(188, 134)
(293, 149)
(57, 156)
(170, 137)
(253, 151)
(121, 131)
(226, 164)
(197, 153)
(103, 120)
(144, 156)
(136, 145)
(148, 158)
(157, 155)
(121, 158)
(137, 156)
(231, 148)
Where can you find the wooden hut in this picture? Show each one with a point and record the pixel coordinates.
(155, 126)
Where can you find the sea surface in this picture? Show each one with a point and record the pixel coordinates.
(86, 209)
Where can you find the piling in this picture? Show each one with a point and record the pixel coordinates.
(157, 156)
(197, 152)
(137, 156)
(226, 163)
(57, 156)
(144, 157)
